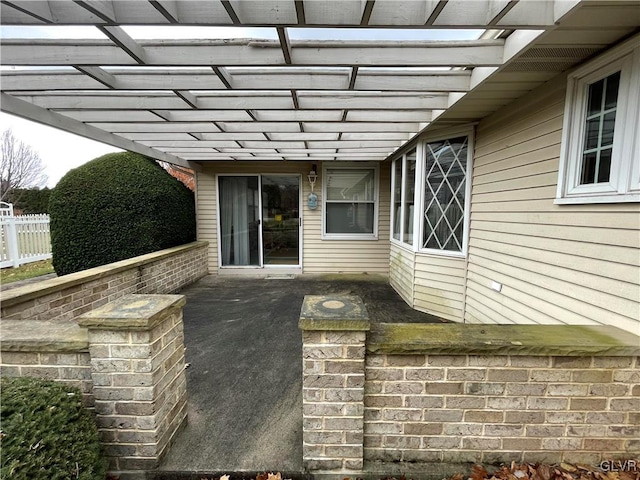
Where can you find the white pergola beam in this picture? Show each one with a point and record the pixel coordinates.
(252, 53)
(267, 144)
(169, 127)
(126, 43)
(294, 13)
(153, 80)
(101, 8)
(168, 9)
(24, 109)
(38, 10)
(372, 101)
(282, 98)
(224, 76)
(114, 101)
(96, 73)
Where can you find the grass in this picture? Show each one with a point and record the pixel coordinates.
(26, 271)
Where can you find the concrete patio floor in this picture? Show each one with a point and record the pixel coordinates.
(244, 379)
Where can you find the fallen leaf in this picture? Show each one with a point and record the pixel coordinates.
(478, 472)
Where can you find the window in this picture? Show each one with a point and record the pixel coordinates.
(445, 195)
(430, 195)
(404, 184)
(350, 202)
(599, 158)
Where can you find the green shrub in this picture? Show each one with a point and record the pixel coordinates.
(47, 433)
(117, 206)
(29, 200)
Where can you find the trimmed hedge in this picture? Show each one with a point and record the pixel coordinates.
(117, 206)
(47, 433)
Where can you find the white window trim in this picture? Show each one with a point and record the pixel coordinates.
(418, 225)
(420, 179)
(403, 158)
(376, 203)
(624, 183)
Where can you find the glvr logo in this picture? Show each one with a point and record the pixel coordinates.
(620, 465)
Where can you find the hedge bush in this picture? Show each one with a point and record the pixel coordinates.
(117, 206)
(47, 433)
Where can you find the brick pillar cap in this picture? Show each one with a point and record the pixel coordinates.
(334, 312)
(132, 312)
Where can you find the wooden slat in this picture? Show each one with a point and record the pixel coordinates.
(208, 53)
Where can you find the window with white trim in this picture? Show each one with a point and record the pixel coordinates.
(350, 202)
(444, 213)
(599, 157)
(404, 197)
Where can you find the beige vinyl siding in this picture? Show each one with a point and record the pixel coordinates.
(348, 256)
(571, 264)
(439, 285)
(207, 216)
(318, 256)
(401, 272)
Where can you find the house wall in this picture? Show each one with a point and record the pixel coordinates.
(402, 271)
(568, 264)
(571, 264)
(439, 286)
(429, 283)
(318, 255)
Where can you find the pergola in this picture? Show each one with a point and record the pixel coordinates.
(313, 80)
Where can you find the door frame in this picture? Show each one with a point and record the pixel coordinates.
(239, 269)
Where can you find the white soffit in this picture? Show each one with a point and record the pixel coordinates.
(298, 80)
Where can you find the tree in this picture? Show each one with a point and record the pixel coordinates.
(20, 165)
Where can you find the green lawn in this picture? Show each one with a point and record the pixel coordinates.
(28, 270)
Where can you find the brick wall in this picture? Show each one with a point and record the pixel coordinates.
(137, 366)
(452, 393)
(72, 368)
(127, 358)
(70, 296)
(491, 409)
(332, 396)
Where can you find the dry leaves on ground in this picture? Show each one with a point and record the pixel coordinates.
(609, 470)
(613, 470)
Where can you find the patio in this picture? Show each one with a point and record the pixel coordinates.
(245, 374)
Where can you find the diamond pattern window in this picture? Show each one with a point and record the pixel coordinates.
(445, 194)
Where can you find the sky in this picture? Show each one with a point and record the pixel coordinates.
(59, 151)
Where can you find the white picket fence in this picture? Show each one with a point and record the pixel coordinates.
(23, 238)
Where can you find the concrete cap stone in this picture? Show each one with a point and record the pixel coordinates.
(43, 336)
(465, 339)
(132, 312)
(334, 312)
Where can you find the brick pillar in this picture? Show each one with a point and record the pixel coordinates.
(136, 345)
(333, 333)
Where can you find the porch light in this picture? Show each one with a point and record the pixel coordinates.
(312, 177)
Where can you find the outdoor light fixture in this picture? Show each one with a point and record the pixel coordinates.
(312, 198)
(312, 177)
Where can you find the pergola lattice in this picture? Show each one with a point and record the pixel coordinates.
(284, 98)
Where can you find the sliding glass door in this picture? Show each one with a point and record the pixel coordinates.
(239, 220)
(259, 220)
